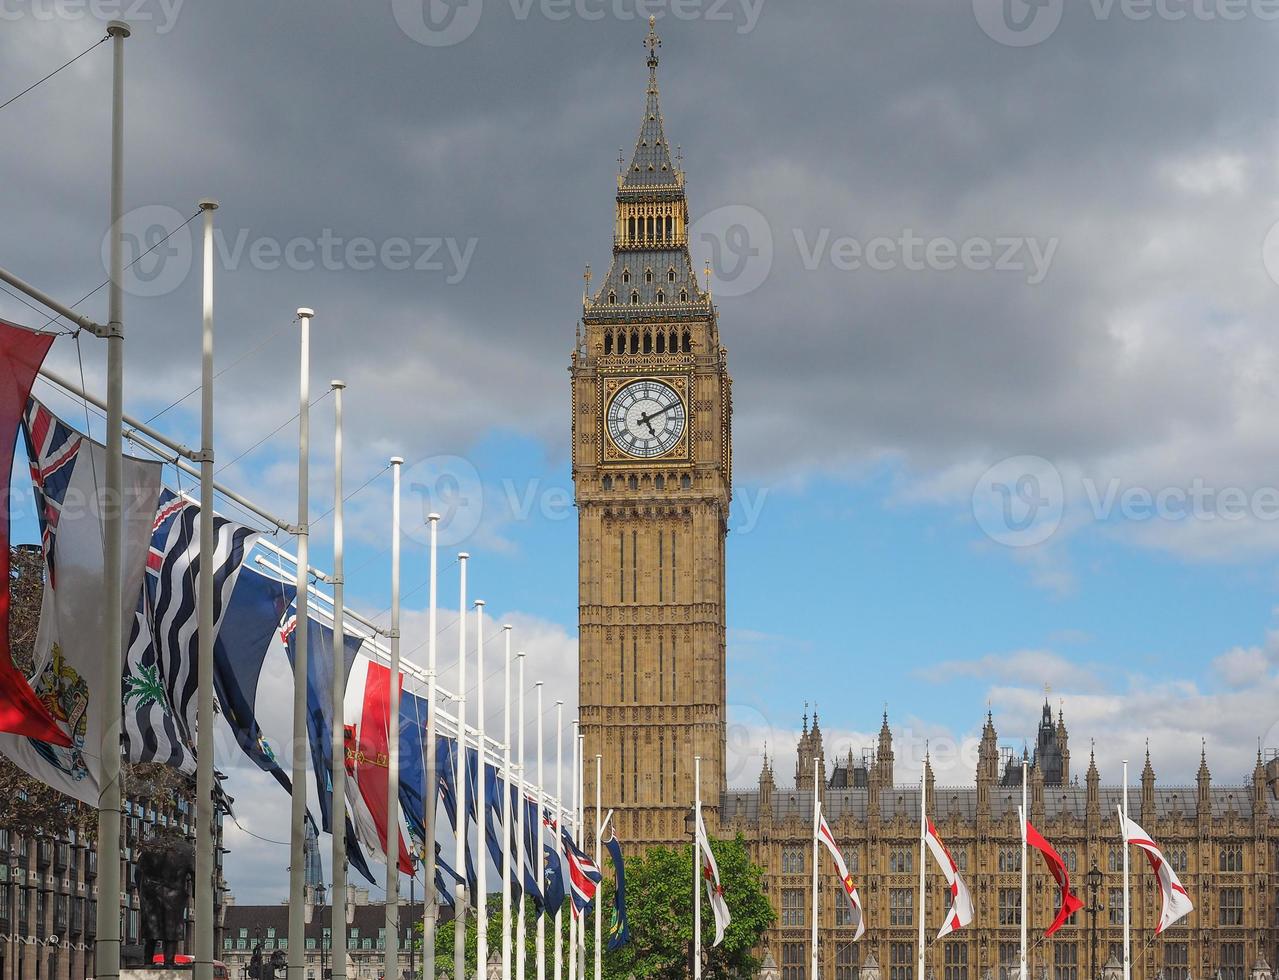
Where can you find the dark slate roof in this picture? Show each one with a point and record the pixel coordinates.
(660, 261)
(651, 163)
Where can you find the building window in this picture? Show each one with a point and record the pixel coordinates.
(1116, 904)
(901, 961)
(1010, 906)
(792, 860)
(843, 907)
(1115, 859)
(1009, 961)
(846, 962)
(1176, 961)
(901, 906)
(1231, 858)
(793, 964)
(901, 861)
(1009, 859)
(1065, 961)
(310, 940)
(1232, 967)
(230, 943)
(956, 961)
(1177, 858)
(792, 906)
(1231, 907)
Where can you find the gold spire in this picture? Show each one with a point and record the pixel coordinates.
(652, 42)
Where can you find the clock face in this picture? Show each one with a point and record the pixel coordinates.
(646, 418)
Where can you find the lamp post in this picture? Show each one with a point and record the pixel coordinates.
(320, 893)
(690, 828)
(1093, 880)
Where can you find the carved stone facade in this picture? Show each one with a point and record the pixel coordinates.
(652, 515)
(1222, 840)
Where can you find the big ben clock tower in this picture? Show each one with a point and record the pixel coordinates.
(652, 473)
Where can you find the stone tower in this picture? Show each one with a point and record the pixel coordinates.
(652, 477)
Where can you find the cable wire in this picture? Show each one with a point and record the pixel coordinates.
(54, 72)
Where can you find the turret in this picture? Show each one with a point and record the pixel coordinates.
(1203, 783)
(884, 755)
(1148, 793)
(766, 787)
(1093, 780)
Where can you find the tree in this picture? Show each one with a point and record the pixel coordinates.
(659, 900)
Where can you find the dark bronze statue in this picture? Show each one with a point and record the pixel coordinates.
(166, 868)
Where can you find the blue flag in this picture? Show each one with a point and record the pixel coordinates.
(619, 930)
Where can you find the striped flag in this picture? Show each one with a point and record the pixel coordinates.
(1176, 902)
(846, 880)
(161, 669)
(710, 875)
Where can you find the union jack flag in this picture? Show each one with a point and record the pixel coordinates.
(52, 448)
(583, 874)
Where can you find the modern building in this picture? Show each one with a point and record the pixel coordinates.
(652, 470)
(267, 926)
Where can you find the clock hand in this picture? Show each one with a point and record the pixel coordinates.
(648, 419)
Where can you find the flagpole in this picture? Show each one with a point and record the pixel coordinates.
(459, 843)
(559, 815)
(539, 946)
(506, 810)
(430, 794)
(297, 857)
(581, 835)
(481, 872)
(1025, 878)
(205, 886)
(521, 931)
(337, 774)
(599, 863)
(1123, 839)
(697, 867)
(392, 959)
(923, 843)
(107, 953)
(572, 819)
(817, 816)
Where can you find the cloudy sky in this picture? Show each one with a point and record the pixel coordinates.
(998, 289)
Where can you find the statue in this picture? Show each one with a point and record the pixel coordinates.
(255, 964)
(165, 868)
(279, 963)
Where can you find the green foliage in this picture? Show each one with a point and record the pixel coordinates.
(659, 900)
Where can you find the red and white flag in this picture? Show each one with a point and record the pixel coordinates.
(1177, 904)
(1070, 904)
(961, 900)
(826, 837)
(714, 890)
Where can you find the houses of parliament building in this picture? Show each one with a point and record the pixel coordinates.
(652, 469)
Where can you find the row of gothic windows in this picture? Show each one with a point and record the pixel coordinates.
(630, 341)
(653, 228)
(632, 482)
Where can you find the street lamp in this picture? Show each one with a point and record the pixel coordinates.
(320, 893)
(1093, 880)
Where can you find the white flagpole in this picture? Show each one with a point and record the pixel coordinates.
(337, 774)
(391, 962)
(297, 855)
(697, 868)
(538, 858)
(572, 819)
(1025, 877)
(107, 955)
(923, 845)
(581, 836)
(205, 887)
(817, 816)
(559, 815)
(459, 842)
(1123, 840)
(521, 930)
(599, 863)
(506, 810)
(430, 795)
(481, 872)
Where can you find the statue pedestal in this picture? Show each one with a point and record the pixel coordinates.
(155, 972)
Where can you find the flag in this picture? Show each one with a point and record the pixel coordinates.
(1070, 904)
(619, 930)
(413, 795)
(552, 866)
(67, 470)
(446, 766)
(710, 874)
(826, 837)
(495, 821)
(319, 700)
(583, 875)
(163, 729)
(22, 352)
(1176, 903)
(248, 629)
(368, 752)
(961, 911)
(533, 861)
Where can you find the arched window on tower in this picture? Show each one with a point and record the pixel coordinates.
(648, 275)
(608, 483)
(670, 274)
(608, 342)
(632, 482)
(626, 275)
(688, 342)
(612, 297)
(661, 296)
(661, 340)
(635, 297)
(648, 342)
(635, 334)
(686, 482)
(683, 295)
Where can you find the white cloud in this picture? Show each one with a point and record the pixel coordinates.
(1033, 667)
